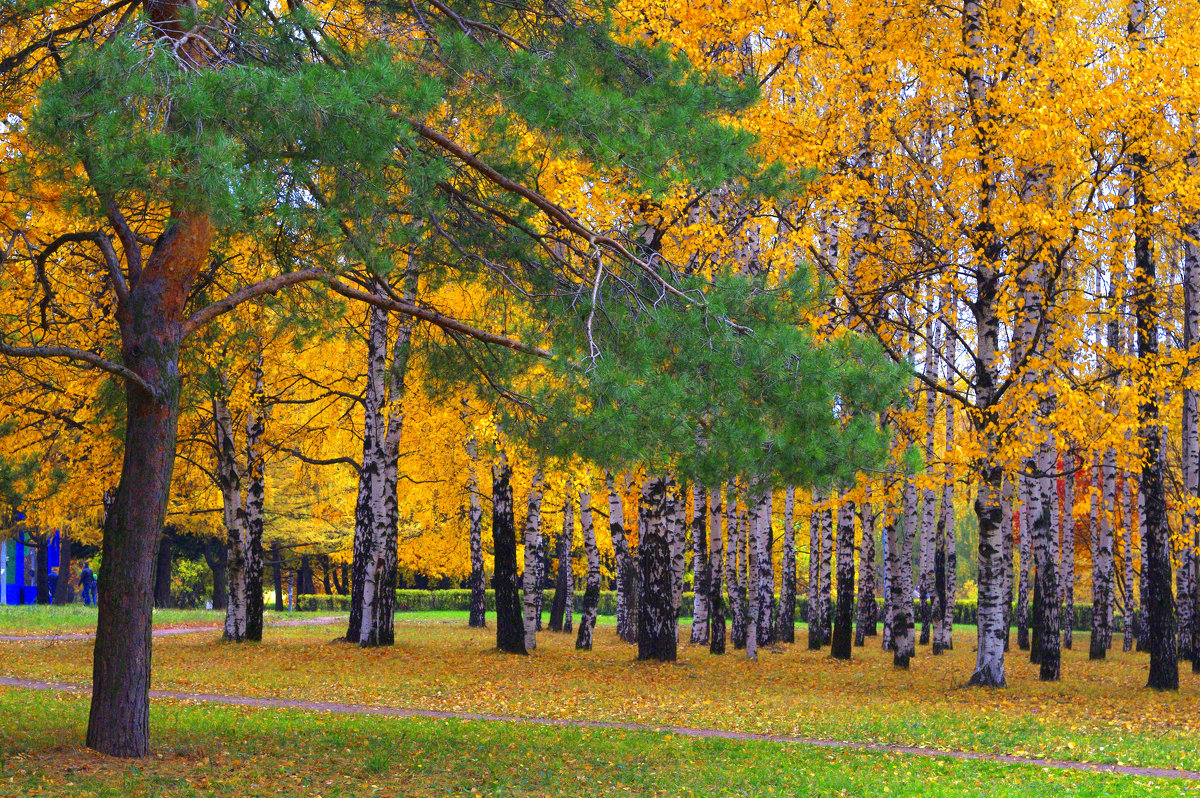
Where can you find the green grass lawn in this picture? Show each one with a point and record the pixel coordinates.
(33, 619)
(220, 751)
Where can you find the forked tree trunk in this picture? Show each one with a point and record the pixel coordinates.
(591, 595)
(533, 557)
(716, 602)
(786, 626)
(841, 640)
(656, 621)
(477, 616)
(510, 630)
(700, 564)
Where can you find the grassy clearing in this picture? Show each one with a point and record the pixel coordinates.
(75, 618)
(1099, 712)
(219, 751)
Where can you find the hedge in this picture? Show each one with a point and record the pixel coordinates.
(965, 612)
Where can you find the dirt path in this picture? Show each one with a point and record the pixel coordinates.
(686, 731)
(171, 630)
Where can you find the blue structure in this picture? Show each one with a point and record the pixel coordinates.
(18, 580)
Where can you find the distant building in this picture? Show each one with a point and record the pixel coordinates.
(18, 581)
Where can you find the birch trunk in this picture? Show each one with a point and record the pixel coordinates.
(840, 641)
(814, 574)
(510, 630)
(867, 608)
(1026, 551)
(949, 536)
(478, 612)
(700, 572)
(1103, 557)
(568, 557)
(229, 475)
(903, 636)
(626, 626)
(786, 627)
(733, 578)
(929, 507)
(1190, 431)
(591, 595)
(753, 509)
(252, 563)
(1159, 601)
(656, 623)
(532, 578)
(1006, 532)
(1131, 610)
(826, 586)
(1067, 569)
(676, 536)
(1046, 559)
(716, 604)
(562, 577)
(764, 566)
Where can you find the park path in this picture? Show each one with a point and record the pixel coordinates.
(171, 630)
(684, 731)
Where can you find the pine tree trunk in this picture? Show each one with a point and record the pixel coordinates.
(716, 603)
(657, 621)
(841, 640)
(700, 560)
(477, 617)
(765, 568)
(510, 629)
(786, 626)
(865, 625)
(533, 556)
(591, 595)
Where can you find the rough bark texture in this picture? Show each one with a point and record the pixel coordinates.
(900, 555)
(764, 568)
(735, 585)
(477, 617)
(868, 610)
(815, 626)
(510, 630)
(1024, 586)
(1006, 533)
(677, 540)
(843, 623)
(1191, 443)
(785, 631)
(825, 594)
(657, 619)
(626, 625)
(1067, 558)
(700, 565)
(562, 578)
(591, 594)
(925, 570)
(716, 602)
(532, 582)
(1046, 558)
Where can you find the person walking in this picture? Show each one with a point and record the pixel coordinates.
(87, 581)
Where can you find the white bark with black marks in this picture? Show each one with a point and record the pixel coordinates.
(867, 615)
(785, 631)
(591, 594)
(716, 569)
(700, 566)
(533, 546)
(477, 617)
(764, 568)
(657, 622)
